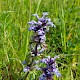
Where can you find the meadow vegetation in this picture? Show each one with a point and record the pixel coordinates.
(64, 40)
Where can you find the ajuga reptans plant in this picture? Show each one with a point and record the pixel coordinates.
(38, 45)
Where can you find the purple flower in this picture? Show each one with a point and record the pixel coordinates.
(48, 19)
(49, 59)
(32, 28)
(57, 72)
(42, 77)
(42, 38)
(36, 15)
(42, 22)
(26, 69)
(32, 22)
(47, 73)
(41, 32)
(45, 14)
(35, 28)
(39, 23)
(43, 60)
(51, 24)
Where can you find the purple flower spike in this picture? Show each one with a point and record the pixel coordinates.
(50, 69)
(38, 46)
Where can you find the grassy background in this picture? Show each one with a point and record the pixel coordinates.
(64, 40)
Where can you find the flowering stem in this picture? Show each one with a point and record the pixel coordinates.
(38, 45)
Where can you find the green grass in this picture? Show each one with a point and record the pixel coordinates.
(63, 40)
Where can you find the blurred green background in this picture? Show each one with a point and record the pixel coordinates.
(64, 40)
